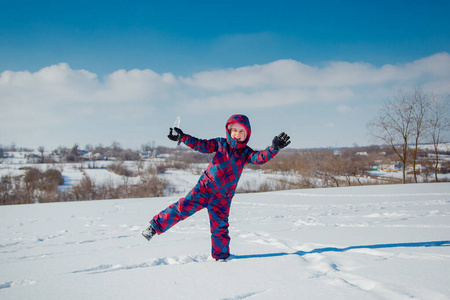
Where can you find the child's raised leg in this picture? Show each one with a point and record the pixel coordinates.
(197, 199)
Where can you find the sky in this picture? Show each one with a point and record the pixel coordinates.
(98, 72)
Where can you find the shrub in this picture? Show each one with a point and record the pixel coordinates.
(120, 169)
(55, 176)
(85, 190)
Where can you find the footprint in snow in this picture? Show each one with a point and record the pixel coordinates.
(10, 284)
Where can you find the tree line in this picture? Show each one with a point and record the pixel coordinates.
(402, 123)
(296, 169)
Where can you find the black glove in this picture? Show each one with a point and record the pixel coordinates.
(280, 141)
(177, 137)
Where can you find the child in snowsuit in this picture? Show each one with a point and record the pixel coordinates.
(217, 185)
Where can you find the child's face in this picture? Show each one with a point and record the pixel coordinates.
(238, 134)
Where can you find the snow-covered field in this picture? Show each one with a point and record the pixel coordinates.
(372, 242)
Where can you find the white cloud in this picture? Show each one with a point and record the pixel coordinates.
(58, 95)
(293, 74)
(135, 85)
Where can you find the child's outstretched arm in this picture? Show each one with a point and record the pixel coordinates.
(203, 146)
(261, 157)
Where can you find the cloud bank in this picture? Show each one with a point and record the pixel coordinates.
(61, 96)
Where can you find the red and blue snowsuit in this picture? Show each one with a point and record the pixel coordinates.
(216, 186)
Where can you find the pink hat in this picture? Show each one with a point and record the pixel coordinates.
(238, 126)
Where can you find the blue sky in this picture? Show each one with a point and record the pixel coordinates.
(92, 72)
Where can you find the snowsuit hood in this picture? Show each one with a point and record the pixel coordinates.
(245, 122)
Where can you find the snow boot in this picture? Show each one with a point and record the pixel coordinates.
(148, 232)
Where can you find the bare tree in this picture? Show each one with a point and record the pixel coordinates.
(149, 146)
(41, 150)
(419, 101)
(408, 119)
(394, 125)
(438, 124)
(116, 148)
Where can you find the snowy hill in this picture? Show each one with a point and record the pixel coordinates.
(373, 242)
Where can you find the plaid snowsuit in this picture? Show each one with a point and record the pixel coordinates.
(216, 186)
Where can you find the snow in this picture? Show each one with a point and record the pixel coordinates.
(372, 242)
(430, 147)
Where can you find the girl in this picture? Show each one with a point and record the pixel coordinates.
(217, 185)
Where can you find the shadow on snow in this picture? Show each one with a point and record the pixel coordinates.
(333, 249)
